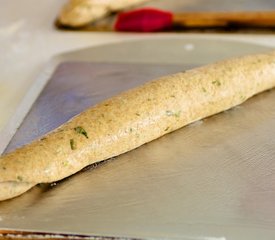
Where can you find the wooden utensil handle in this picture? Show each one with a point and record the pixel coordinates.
(224, 19)
(25, 235)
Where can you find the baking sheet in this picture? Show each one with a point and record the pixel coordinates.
(211, 180)
(75, 86)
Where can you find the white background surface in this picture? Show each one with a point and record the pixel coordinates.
(28, 40)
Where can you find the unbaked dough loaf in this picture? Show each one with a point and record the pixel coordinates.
(78, 13)
(135, 117)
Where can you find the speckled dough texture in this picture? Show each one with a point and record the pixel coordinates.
(133, 118)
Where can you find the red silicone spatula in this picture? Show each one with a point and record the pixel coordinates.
(151, 20)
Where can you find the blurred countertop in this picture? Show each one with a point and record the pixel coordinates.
(28, 40)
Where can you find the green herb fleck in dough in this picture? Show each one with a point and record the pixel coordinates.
(65, 163)
(177, 114)
(173, 96)
(242, 97)
(166, 129)
(19, 178)
(131, 129)
(169, 113)
(72, 144)
(4, 168)
(204, 90)
(137, 114)
(217, 83)
(82, 131)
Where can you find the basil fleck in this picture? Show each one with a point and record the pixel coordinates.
(19, 178)
(169, 113)
(72, 144)
(217, 83)
(65, 164)
(82, 131)
(177, 114)
(242, 98)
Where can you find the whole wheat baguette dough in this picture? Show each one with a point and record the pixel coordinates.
(78, 13)
(135, 117)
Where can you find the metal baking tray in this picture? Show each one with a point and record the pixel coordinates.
(213, 179)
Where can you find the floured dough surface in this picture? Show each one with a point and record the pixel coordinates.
(133, 118)
(10, 189)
